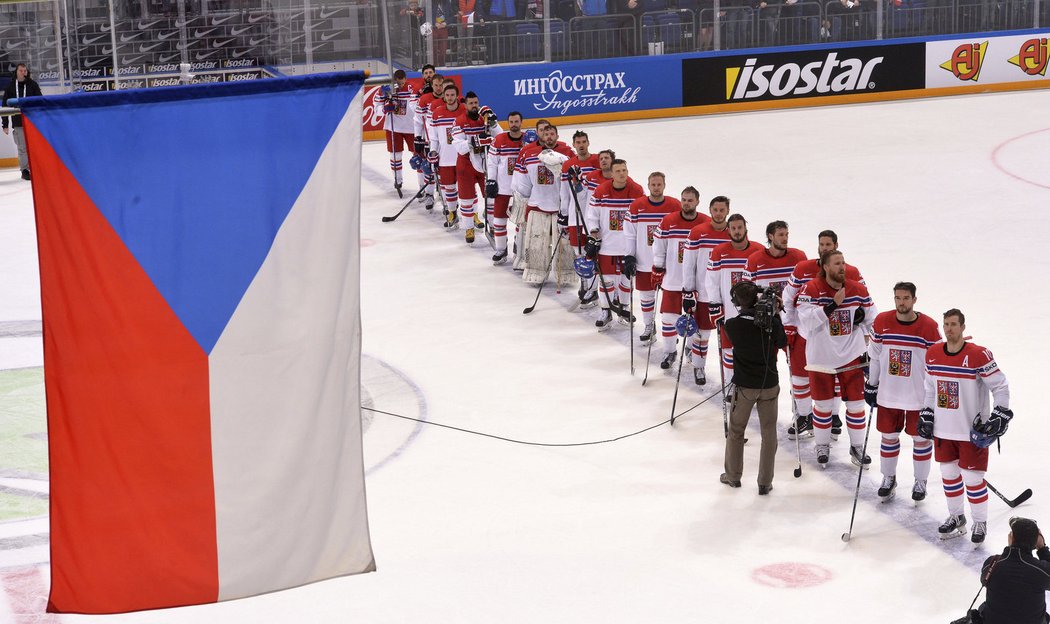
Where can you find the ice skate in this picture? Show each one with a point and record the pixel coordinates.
(605, 321)
(954, 526)
(978, 532)
(823, 451)
(500, 257)
(918, 491)
(699, 377)
(668, 361)
(804, 425)
(859, 458)
(836, 426)
(888, 489)
(648, 334)
(469, 236)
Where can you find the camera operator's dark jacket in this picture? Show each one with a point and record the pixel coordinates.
(1016, 587)
(29, 88)
(755, 350)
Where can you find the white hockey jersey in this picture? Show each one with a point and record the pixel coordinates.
(503, 155)
(568, 206)
(834, 341)
(957, 387)
(607, 211)
(541, 185)
(640, 228)
(898, 359)
(443, 123)
(400, 109)
(702, 239)
(725, 268)
(672, 236)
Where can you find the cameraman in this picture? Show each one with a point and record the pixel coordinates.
(756, 333)
(1017, 582)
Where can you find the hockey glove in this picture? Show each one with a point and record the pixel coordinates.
(925, 426)
(591, 248)
(997, 423)
(419, 146)
(830, 308)
(658, 276)
(630, 266)
(491, 189)
(714, 310)
(563, 221)
(871, 395)
(688, 301)
(858, 317)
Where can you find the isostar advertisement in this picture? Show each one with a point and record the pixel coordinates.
(823, 72)
(987, 60)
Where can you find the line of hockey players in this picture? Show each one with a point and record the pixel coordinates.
(579, 218)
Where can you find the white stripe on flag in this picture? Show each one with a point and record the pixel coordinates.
(285, 396)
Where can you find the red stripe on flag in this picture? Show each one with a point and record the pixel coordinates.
(129, 435)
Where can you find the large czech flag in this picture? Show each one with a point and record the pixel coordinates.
(199, 268)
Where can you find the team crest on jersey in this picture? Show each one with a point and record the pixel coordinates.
(400, 106)
(448, 136)
(616, 219)
(510, 166)
(544, 175)
(948, 394)
(840, 323)
(650, 233)
(778, 287)
(900, 362)
(735, 277)
(681, 252)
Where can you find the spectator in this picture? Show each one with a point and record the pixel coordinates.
(21, 86)
(593, 7)
(629, 14)
(443, 16)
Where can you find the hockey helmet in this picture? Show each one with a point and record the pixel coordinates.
(584, 267)
(685, 325)
(529, 136)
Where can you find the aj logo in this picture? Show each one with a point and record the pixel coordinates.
(966, 61)
(1032, 57)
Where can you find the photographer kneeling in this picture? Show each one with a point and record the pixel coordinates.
(756, 333)
(1016, 580)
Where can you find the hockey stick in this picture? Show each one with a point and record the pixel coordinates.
(722, 376)
(860, 472)
(681, 359)
(614, 306)
(405, 207)
(827, 370)
(630, 338)
(545, 276)
(1022, 497)
(794, 412)
(652, 339)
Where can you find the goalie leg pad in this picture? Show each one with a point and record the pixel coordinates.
(537, 246)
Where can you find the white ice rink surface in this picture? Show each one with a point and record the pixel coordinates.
(951, 194)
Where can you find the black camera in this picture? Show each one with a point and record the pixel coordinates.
(766, 308)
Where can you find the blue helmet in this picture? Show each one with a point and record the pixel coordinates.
(420, 164)
(584, 267)
(981, 440)
(530, 136)
(685, 325)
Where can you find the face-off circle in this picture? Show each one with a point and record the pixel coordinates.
(791, 575)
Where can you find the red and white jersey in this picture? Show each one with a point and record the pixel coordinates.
(421, 123)
(726, 267)
(606, 212)
(541, 185)
(702, 239)
(400, 109)
(765, 270)
(803, 273)
(957, 387)
(443, 123)
(503, 155)
(462, 140)
(519, 184)
(669, 247)
(833, 341)
(568, 206)
(898, 359)
(639, 231)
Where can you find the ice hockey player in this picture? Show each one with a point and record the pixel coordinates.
(956, 416)
(727, 266)
(573, 174)
(398, 105)
(896, 384)
(668, 257)
(503, 155)
(421, 126)
(605, 215)
(640, 231)
(702, 239)
(471, 137)
(834, 314)
(542, 185)
(827, 241)
(519, 207)
(444, 120)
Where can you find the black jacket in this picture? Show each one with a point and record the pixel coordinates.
(27, 88)
(1016, 587)
(755, 350)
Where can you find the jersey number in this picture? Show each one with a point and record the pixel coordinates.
(900, 362)
(948, 394)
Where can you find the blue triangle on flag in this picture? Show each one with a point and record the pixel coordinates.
(197, 180)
